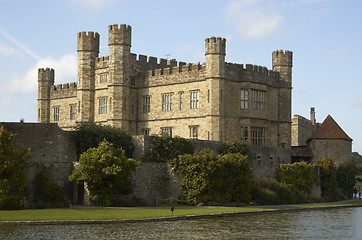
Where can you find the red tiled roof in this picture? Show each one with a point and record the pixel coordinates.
(331, 130)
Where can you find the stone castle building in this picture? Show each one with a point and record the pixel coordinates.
(214, 100)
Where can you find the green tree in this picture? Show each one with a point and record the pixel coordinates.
(106, 170)
(235, 146)
(346, 178)
(13, 162)
(89, 135)
(164, 148)
(328, 177)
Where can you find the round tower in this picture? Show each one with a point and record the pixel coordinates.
(119, 42)
(45, 82)
(88, 50)
(283, 63)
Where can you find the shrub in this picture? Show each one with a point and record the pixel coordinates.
(346, 178)
(46, 192)
(213, 178)
(328, 177)
(299, 174)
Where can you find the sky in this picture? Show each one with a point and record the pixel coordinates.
(324, 35)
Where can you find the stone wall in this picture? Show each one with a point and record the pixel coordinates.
(49, 145)
(339, 150)
(302, 130)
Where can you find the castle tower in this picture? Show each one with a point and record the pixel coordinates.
(215, 77)
(119, 42)
(88, 50)
(283, 63)
(45, 82)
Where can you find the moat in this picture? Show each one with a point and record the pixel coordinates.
(321, 224)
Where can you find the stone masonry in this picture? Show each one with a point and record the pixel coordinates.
(213, 101)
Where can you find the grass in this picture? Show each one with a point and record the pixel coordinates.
(358, 184)
(135, 213)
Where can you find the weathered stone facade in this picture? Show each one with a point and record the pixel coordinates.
(49, 145)
(303, 128)
(214, 100)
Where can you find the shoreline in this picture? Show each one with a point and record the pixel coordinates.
(289, 209)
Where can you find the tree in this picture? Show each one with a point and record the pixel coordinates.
(89, 135)
(346, 178)
(13, 162)
(106, 170)
(328, 177)
(164, 148)
(235, 146)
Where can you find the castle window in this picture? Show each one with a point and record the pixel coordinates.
(133, 81)
(194, 99)
(73, 111)
(146, 131)
(208, 95)
(257, 100)
(244, 133)
(103, 77)
(146, 104)
(257, 136)
(194, 132)
(167, 130)
(244, 104)
(102, 105)
(181, 100)
(56, 111)
(167, 102)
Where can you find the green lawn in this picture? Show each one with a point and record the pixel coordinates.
(129, 213)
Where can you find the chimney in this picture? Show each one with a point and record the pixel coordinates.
(312, 115)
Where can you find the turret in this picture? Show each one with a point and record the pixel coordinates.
(88, 49)
(215, 78)
(215, 56)
(283, 63)
(119, 42)
(45, 82)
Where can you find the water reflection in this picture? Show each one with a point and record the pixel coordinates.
(326, 224)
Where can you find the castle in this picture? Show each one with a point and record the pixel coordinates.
(214, 100)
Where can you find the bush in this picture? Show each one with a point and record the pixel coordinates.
(213, 178)
(299, 174)
(164, 148)
(46, 192)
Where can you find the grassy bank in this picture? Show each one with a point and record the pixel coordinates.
(140, 213)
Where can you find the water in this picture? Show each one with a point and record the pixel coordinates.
(323, 224)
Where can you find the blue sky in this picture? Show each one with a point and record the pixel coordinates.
(324, 35)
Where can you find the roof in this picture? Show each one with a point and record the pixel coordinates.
(330, 130)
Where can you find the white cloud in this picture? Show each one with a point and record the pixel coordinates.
(6, 51)
(92, 4)
(253, 19)
(65, 71)
(337, 53)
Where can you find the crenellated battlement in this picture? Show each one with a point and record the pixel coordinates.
(63, 90)
(119, 35)
(283, 58)
(88, 41)
(148, 63)
(215, 45)
(102, 62)
(46, 74)
(181, 70)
